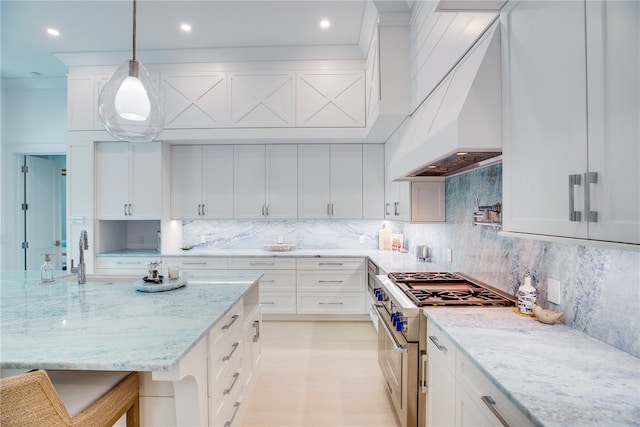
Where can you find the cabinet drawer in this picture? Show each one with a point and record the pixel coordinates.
(228, 382)
(486, 396)
(440, 346)
(266, 263)
(124, 265)
(278, 302)
(330, 281)
(198, 263)
(274, 280)
(323, 303)
(330, 263)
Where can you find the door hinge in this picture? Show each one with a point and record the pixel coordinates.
(25, 169)
(25, 206)
(25, 245)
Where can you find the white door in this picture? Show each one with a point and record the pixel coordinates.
(282, 181)
(249, 182)
(112, 180)
(145, 191)
(314, 191)
(373, 181)
(613, 67)
(218, 182)
(186, 181)
(346, 181)
(544, 116)
(42, 222)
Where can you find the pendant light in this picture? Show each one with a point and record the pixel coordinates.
(130, 105)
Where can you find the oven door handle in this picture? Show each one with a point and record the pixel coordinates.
(396, 346)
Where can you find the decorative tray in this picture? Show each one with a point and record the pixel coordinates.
(279, 247)
(165, 285)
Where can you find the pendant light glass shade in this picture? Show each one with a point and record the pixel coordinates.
(130, 106)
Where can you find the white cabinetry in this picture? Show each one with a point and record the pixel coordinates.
(196, 265)
(572, 141)
(265, 181)
(201, 182)
(397, 194)
(225, 367)
(83, 91)
(195, 99)
(80, 211)
(428, 201)
(261, 99)
(277, 285)
(128, 184)
(331, 286)
(124, 265)
(330, 98)
(459, 393)
(373, 181)
(330, 181)
(441, 368)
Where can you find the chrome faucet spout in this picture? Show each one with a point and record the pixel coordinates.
(84, 245)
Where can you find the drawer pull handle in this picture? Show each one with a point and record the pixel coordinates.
(235, 346)
(490, 402)
(330, 281)
(439, 346)
(256, 325)
(236, 375)
(128, 262)
(267, 281)
(574, 215)
(194, 263)
(235, 411)
(423, 377)
(261, 263)
(330, 263)
(233, 319)
(331, 303)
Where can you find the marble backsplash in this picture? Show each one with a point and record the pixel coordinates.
(600, 287)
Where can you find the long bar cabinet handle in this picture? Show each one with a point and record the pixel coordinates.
(440, 347)
(589, 178)
(386, 208)
(256, 325)
(233, 350)
(491, 404)
(233, 319)
(236, 375)
(235, 411)
(423, 376)
(574, 215)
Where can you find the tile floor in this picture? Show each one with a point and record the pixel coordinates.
(319, 374)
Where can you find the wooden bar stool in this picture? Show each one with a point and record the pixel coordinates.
(31, 399)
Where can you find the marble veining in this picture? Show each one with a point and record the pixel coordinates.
(100, 326)
(555, 374)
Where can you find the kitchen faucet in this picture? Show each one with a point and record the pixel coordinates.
(82, 271)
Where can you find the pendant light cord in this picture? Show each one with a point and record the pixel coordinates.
(134, 30)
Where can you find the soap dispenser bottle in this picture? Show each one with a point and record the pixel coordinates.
(46, 270)
(526, 295)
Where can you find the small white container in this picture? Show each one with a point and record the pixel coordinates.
(527, 296)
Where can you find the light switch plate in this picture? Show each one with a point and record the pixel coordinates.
(361, 239)
(553, 291)
(449, 255)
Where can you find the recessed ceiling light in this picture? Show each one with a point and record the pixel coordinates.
(325, 23)
(185, 27)
(53, 32)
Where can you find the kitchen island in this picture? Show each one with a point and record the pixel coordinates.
(554, 375)
(109, 326)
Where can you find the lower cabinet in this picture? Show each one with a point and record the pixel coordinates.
(196, 265)
(124, 265)
(277, 285)
(459, 393)
(331, 286)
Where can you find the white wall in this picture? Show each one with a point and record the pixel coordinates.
(34, 121)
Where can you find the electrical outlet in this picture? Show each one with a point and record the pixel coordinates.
(280, 239)
(449, 255)
(553, 291)
(203, 238)
(361, 239)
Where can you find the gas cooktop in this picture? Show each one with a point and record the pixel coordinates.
(435, 288)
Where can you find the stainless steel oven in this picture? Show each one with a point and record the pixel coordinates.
(402, 330)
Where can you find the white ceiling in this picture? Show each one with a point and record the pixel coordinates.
(96, 32)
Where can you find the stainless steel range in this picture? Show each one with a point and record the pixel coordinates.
(402, 329)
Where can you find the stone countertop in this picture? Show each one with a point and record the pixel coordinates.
(389, 261)
(556, 375)
(100, 326)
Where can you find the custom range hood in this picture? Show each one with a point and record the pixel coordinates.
(459, 125)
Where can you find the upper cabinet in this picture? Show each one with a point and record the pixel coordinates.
(195, 100)
(128, 177)
(265, 181)
(330, 181)
(373, 181)
(571, 132)
(201, 182)
(261, 99)
(330, 98)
